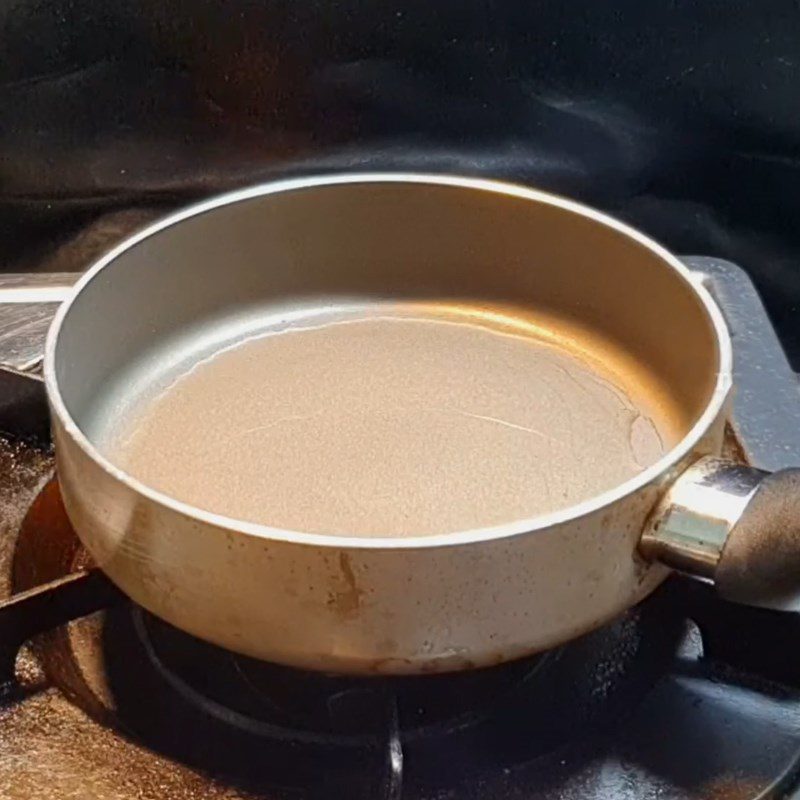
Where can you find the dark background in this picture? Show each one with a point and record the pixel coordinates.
(680, 117)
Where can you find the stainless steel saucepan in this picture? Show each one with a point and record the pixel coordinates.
(423, 603)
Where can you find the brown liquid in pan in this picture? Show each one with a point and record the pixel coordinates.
(400, 425)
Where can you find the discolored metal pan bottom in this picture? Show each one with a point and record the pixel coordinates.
(393, 420)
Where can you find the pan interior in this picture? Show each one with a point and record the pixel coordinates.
(444, 287)
(387, 419)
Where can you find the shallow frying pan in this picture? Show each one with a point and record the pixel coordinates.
(209, 275)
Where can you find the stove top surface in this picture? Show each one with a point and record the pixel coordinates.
(685, 696)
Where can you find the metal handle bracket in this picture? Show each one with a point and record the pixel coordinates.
(735, 525)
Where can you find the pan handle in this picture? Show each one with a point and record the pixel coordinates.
(735, 525)
(28, 303)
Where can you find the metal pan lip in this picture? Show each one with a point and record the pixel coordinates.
(540, 524)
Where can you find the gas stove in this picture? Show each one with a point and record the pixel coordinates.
(685, 696)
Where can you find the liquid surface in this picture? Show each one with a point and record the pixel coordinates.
(391, 427)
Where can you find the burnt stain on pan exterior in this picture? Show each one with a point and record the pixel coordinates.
(346, 601)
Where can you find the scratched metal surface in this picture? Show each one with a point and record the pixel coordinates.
(27, 305)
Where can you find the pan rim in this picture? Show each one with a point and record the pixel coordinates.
(529, 525)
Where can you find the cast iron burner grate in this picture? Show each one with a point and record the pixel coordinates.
(685, 696)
